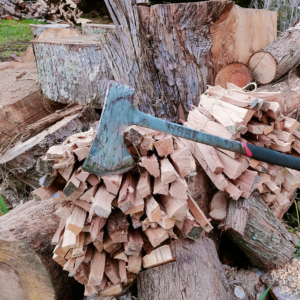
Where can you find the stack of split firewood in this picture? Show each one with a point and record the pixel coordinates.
(65, 10)
(112, 226)
(249, 117)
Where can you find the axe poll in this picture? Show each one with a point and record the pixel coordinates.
(109, 155)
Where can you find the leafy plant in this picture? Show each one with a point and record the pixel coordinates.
(264, 294)
(297, 251)
(3, 206)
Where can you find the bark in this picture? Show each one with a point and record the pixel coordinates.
(265, 241)
(72, 70)
(277, 58)
(236, 73)
(196, 274)
(21, 159)
(27, 270)
(288, 89)
(94, 29)
(167, 52)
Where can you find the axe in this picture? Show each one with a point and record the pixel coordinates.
(109, 155)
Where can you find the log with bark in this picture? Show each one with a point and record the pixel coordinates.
(196, 274)
(262, 237)
(76, 69)
(27, 270)
(37, 29)
(276, 59)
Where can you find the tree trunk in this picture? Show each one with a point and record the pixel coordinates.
(22, 158)
(38, 29)
(274, 60)
(196, 274)
(166, 51)
(253, 227)
(72, 69)
(27, 270)
(95, 29)
(236, 73)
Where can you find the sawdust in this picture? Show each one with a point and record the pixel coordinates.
(288, 277)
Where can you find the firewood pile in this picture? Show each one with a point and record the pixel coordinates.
(114, 226)
(63, 10)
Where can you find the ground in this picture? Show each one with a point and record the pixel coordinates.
(15, 37)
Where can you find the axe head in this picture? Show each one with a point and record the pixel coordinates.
(108, 154)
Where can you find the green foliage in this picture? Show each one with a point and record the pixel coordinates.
(15, 36)
(3, 206)
(297, 251)
(264, 294)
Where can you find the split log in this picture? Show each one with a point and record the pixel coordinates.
(190, 274)
(77, 71)
(286, 92)
(95, 29)
(274, 60)
(22, 158)
(262, 237)
(165, 52)
(236, 73)
(26, 254)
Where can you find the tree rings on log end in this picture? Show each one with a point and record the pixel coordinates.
(236, 73)
(263, 66)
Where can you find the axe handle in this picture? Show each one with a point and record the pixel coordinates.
(256, 152)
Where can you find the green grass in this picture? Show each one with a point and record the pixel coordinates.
(2, 206)
(15, 37)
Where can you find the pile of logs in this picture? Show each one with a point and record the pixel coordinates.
(104, 248)
(55, 11)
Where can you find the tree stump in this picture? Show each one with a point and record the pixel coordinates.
(170, 52)
(253, 227)
(38, 29)
(95, 29)
(27, 271)
(72, 69)
(196, 274)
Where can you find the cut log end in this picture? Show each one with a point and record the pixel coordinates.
(263, 66)
(236, 73)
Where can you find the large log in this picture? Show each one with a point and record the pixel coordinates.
(271, 62)
(72, 69)
(37, 29)
(95, 29)
(27, 270)
(196, 274)
(22, 158)
(263, 238)
(165, 51)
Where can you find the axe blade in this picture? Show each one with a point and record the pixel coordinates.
(108, 154)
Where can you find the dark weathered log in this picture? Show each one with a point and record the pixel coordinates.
(95, 29)
(21, 159)
(72, 69)
(277, 58)
(236, 73)
(197, 274)
(265, 241)
(27, 270)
